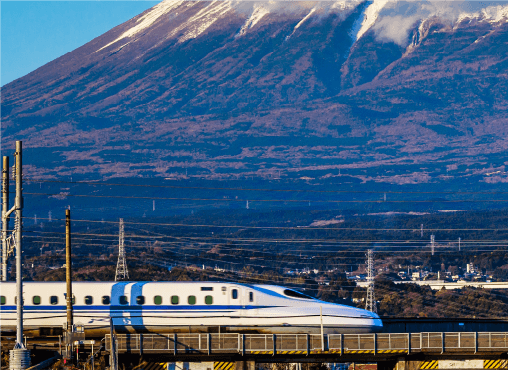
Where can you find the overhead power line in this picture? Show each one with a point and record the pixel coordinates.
(255, 189)
(242, 242)
(331, 228)
(260, 200)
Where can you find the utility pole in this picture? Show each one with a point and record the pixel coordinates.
(459, 243)
(68, 295)
(421, 231)
(370, 303)
(121, 266)
(72, 334)
(5, 216)
(113, 355)
(19, 356)
(68, 270)
(432, 237)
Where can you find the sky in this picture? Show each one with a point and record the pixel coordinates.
(34, 33)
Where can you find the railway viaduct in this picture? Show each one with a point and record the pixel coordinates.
(399, 347)
(424, 350)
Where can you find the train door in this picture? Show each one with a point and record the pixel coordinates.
(250, 302)
(250, 298)
(121, 302)
(235, 297)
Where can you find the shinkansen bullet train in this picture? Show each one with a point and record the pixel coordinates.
(179, 307)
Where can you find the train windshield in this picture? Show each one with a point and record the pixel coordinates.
(296, 294)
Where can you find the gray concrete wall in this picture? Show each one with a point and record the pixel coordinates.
(391, 325)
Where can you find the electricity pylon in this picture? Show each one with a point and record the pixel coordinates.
(370, 303)
(121, 266)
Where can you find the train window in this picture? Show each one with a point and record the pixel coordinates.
(206, 288)
(53, 300)
(157, 300)
(191, 300)
(105, 300)
(209, 299)
(234, 294)
(88, 300)
(2, 300)
(36, 300)
(140, 300)
(251, 296)
(123, 300)
(296, 294)
(174, 300)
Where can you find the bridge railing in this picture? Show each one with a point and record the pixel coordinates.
(492, 340)
(434, 342)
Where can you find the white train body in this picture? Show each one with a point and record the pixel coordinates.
(181, 307)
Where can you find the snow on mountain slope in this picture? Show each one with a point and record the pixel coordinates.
(491, 14)
(150, 18)
(391, 20)
(394, 20)
(370, 16)
(203, 20)
(258, 13)
(215, 10)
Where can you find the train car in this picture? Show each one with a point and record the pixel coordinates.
(180, 307)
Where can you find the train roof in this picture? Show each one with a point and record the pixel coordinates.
(133, 282)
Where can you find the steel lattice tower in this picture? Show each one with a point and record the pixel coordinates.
(370, 303)
(121, 266)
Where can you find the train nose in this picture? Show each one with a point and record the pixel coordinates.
(376, 323)
(365, 320)
(373, 319)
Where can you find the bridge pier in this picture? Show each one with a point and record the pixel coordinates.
(401, 364)
(405, 364)
(245, 365)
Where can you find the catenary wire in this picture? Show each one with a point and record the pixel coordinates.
(252, 189)
(261, 200)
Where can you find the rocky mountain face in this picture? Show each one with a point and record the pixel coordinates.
(384, 91)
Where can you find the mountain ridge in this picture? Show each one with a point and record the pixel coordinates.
(239, 89)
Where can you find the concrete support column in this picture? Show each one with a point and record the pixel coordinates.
(245, 365)
(404, 364)
(401, 364)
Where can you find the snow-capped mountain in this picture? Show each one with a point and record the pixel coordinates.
(383, 16)
(241, 88)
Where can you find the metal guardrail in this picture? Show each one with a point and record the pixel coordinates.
(403, 343)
